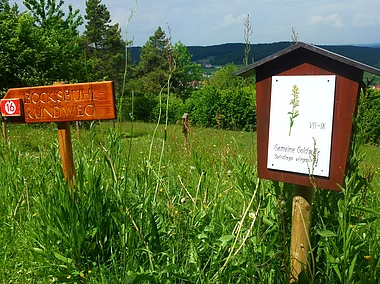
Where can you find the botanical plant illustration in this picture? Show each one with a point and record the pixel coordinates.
(314, 158)
(294, 102)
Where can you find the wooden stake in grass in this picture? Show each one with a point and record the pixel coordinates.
(185, 128)
(300, 240)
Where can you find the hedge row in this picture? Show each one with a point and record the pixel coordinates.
(232, 108)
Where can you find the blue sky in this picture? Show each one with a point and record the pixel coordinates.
(210, 22)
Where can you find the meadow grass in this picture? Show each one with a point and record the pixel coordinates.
(145, 209)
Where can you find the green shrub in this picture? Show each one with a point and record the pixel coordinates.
(147, 107)
(369, 116)
(139, 107)
(232, 108)
(175, 109)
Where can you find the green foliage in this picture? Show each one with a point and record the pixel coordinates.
(98, 20)
(104, 45)
(369, 116)
(158, 60)
(56, 51)
(46, 13)
(232, 108)
(154, 53)
(137, 107)
(187, 73)
(347, 230)
(147, 107)
(176, 109)
(12, 43)
(226, 102)
(225, 78)
(196, 216)
(151, 74)
(39, 46)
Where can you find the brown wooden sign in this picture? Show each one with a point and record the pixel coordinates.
(319, 119)
(59, 103)
(306, 99)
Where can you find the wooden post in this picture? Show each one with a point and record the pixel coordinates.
(4, 126)
(185, 128)
(66, 149)
(301, 216)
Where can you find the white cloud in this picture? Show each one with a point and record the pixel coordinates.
(362, 20)
(315, 19)
(230, 20)
(200, 22)
(333, 19)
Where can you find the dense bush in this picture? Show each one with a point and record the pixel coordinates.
(232, 108)
(175, 109)
(225, 102)
(147, 108)
(138, 107)
(369, 116)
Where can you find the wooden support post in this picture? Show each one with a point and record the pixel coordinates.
(300, 240)
(185, 128)
(4, 126)
(66, 150)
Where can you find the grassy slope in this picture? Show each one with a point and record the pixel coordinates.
(182, 214)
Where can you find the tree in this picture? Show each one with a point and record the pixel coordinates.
(224, 78)
(105, 47)
(186, 72)
(154, 54)
(98, 20)
(46, 12)
(57, 50)
(151, 74)
(9, 45)
(158, 59)
(39, 46)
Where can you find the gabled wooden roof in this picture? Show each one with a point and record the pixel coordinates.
(249, 70)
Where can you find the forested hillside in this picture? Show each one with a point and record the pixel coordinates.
(234, 52)
(143, 75)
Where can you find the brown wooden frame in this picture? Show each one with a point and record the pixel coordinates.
(298, 60)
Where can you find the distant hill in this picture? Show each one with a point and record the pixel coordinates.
(234, 52)
(376, 45)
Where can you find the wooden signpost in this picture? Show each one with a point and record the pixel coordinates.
(61, 103)
(185, 129)
(306, 100)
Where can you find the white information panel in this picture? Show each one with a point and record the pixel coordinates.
(300, 126)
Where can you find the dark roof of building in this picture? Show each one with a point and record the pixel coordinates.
(248, 70)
